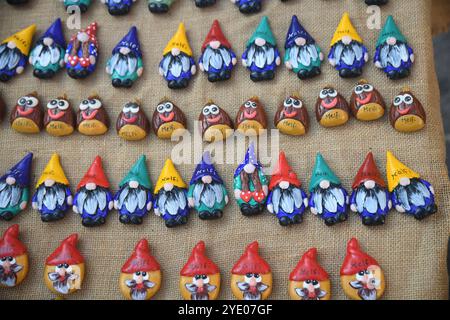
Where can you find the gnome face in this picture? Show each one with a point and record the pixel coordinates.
(132, 123)
(13, 270)
(310, 289)
(331, 108)
(200, 287)
(11, 58)
(64, 278)
(140, 285)
(168, 118)
(292, 117)
(59, 119)
(366, 103)
(215, 123)
(251, 117)
(92, 118)
(367, 284)
(407, 113)
(251, 286)
(26, 116)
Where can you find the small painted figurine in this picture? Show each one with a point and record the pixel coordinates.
(140, 277)
(332, 109)
(410, 194)
(393, 54)
(83, 5)
(309, 281)
(178, 65)
(93, 200)
(64, 268)
(171, 196)
(59, 118)
(207, 193)
(303, 56)
(251, 118)
(376, 2)
(292, 117)
(200, 277)
(53, 197)
(126, 66)
(347, 53)
(248, 6)
(134, 199)
(328, 199)
(215, 123)
(26, 116)
(168, 120)
(204, 3)
(159, 6)
(407, 113)
(251, 276)
(92, 119)
(15, 188)
(370, 197)
(118, 7)
(261, 55)
(47, 55)
(286, 199)
(132, 123)
(361, 275)
(13, 258)
(82, 52)
(250, 185)
(218, 58)
(14, 53)
(366, 103)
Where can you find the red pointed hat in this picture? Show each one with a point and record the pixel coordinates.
(95, 174)
(141, 259)
(283, 172)
(67, 252)
(356, 260)
(216, 34)
(368, 171)
(199, 263)
(251, 262)
(10, 245)
(308, 268)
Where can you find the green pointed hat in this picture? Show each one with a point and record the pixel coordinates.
(390, 29)
(263, 31)
(322, 172)
(138, 173)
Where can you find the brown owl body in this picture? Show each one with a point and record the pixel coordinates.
(215, 123)
(2, 109)
(331, 108)
(366, 102)
(168, 119)
(26, 116)
(407, 113)
(92, 119)
(292, 117)
(59, 118)
(132, 123)
(251, 118)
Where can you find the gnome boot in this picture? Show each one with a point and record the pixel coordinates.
(170, 223)
(135, 220)
(42, 74)
(403, 73)
(158, 7)
(297, 219)
(125, 219)
(251, 7)
(303, 74)
(268, 75)
(6, 216)
(255, 76)
(127, 83)
(225, 74)
(369, 221)
(204, 3)
(216, 214)
(393, 75)
(213, 77)
(117, 83)
(248, 210)
(284, 221)
(345, 73)
(119, 11)
(330, 222)
(204, 215)
(4, 77)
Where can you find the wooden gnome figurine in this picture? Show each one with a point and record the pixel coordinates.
(366, 103)
(83, 5)
(409, 193)
(132, 123)
(53, 197)
(59, 118)
(200, 277)
(159, 6)
(118, 7)
(13, 258)
(309, 281)
(207, 193)
(64, 268)
(361, 275)
(406, 113)
(204, 3)
(177, 65)
(332, 109)
(140, 276)
(125, 65)
(328, 199)
(15, 188)
(250, 184)
(248, 6)
(14, 52)
(292, 117)
(348, 55)
(93, 200)
(47, 55)
(26, 116)
(92, 118)
(215, 123)
(303, 56)
(134, 199)
(170, 193)
(251, 276)
(286, 199)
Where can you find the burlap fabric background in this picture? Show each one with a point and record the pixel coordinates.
(411, 253)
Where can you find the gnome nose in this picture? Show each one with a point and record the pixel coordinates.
(260, 42)
(249, 168)
(214, 44)
(11, 45)
(10, 181)
(124, 51)
(133, 184)
(300, 41)
(49, 182)
(175, 51)
(168, 186)
(346, 40)
(284, 185)
(391, 41)
(91, 186)
(369, 184)
(48, 41)
(83, 37)
(405, 181)
(324, 184)
(207, 179)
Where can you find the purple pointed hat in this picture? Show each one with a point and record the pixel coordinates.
(130, 41)
(205, 168)
(21, 171)
(55, 32)
(295, 31)
(250, 158)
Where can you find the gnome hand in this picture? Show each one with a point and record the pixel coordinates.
(111, 205)
(278, 61)
(400, 209)
(366, 57)
(200, 65)
(321, 56)
(140, 71)
(313, 211)
(61, 63)
(265, 190)
(75, 209)
(191, 202)
(332, 61)
(108, 70)
(389, 204)
(305, 202)
(237, 194)
(30, 60)
(157, 212)
(193, 69)
(226, 199)
(19, 70)
(34, 205)
(161, 71)
(66, 58)
(234, 61)
(149, 206)
(288, 65)
(23, 205)
(92, 59)
(412, 57)
(244, 62)
(69, 200)
(270, 208)
(353, 207)
(378, 64)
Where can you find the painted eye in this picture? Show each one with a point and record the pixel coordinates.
(63, 104)
(367, 272)
(287, 102)
(58, 268)
(258, 277)
(69, 269)
(168, 107)
(205, 278)
(197, 277)
(160, 108)
(126, 109)
(297, 104)
(32, 102)
(248, 104)
(308, 281)
(359, 89)
(144, 275)
(316, 284)
(22, 101)
(408, 99)
(206, 111)
(398, 100)
(254, 105)
(138, 273)
(214, 109)
(52, 104)
(361, 273)
(66, 265)
(323, 94)
(134, 109)
(95, 104)
(248, 275)
(332, 93)
(368, 88)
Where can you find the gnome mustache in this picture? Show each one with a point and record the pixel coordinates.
(371, 203)
(200, 287)
(311, 290)
(8, 271)
(136, 201)
(173, 204)
(252, 287)
(92, 202)
(139, 285)
(10, 60)
(330, 203)
(63, 278)
(52, 201)
(47, 55)
(10, 194)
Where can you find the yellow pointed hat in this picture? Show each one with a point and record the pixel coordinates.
(23, 39)
(53, 171)
(345, 28)
(180, 41)
(169, 175)
(395, 170)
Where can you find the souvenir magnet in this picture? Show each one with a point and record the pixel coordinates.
(251, 118)
(366, 103)
(13, 258)
(331, 108)
(215, 123)
(26, 116)
(92, 119)
(59, 118)
(168, 120)
(292, 117)
(407, 113)
(132, 123)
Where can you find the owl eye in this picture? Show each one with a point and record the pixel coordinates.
(368, 88)
(408, 99)
(398, 100)
(214, 109)
(359, 89)
(134, 109)
(254, 105)
(323, 94)
(160, 108)
(84, 105)
(126, 109)
(248, 104)
(332, 93)
(52, 104)
(168, 107)
(206, 111)
(297, 104)
(32, 102)
(63, 104)
(95, 104)
(22, 101)
(287, 102)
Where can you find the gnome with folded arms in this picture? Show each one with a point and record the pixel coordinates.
(13, 258)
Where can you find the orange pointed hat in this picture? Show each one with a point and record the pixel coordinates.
(283, 172)
(251, 262)
(67, 252)
(95, 174)
(356, 260)
(199, 263)
(10, 245)
(141, 259)
(368, 171)
(308, 268)
(216, 34)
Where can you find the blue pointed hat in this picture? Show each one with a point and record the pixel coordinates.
(296, 30)
(21, 171)
(130, 41)
(55, 32)
(205, 168)
(250, 158)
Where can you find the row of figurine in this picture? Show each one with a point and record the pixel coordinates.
(123, 7)
(261, 57)
(172, 199)
(140, 277)
(406, 114)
